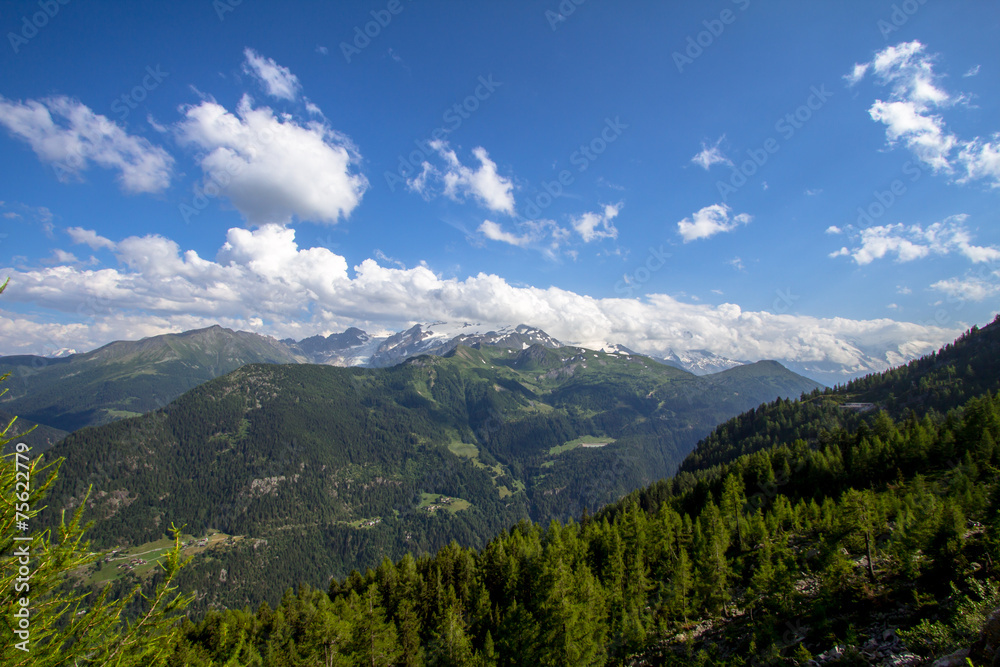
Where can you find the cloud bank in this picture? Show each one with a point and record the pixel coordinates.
(261, 280)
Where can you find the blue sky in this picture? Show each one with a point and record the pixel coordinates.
(812, 182)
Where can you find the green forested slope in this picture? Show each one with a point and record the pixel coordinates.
(324, 469)
(128, 378)
(939, 381)
(883, 540)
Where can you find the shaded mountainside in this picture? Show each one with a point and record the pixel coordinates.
(38, 436)
(129, 378)
(940, 381)
(878, 548)
(328, 468)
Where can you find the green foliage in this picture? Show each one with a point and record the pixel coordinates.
(961, 624)
(932, 383)
(822, 534)
(325, 469)
(43, 623)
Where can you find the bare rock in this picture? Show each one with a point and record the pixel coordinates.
(956, 659)
(985, 650)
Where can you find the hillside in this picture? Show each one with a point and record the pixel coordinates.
(38, 436)
(940, 381)
(877, 547)
(128, 378)
(348, 462)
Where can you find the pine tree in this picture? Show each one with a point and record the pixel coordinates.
(451, 646)
(375, 642)
(861, 515)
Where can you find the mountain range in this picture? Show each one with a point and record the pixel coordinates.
(358, 463)
(867, 513)
(129, 378)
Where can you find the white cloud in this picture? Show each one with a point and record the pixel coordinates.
(973, 71)
(543, 235)
(833, 229)
(967, 289)
(272, 168)
(63, 257)
(491, 190)
(981, 160)
(90, 238)
(923, 134)
(710, 221)
(593, 226)
(710, 155)
(857, 73)
(908, 243)
(278, 81)
(68, 135)
(495, 232)
(912, 114)
(262, 280)
(737, 264)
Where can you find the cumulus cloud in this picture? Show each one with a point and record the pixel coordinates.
(710, 221)
(910, 242)
(971, 288)
(272, 168)
(981, 160)
(276, 80)
(90, 237)
(68, 135)
(593, 226)
(260, 279)
(458, 181)
(710, 155)
(912, 117)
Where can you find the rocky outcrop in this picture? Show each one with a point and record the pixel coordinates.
(986, 650)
